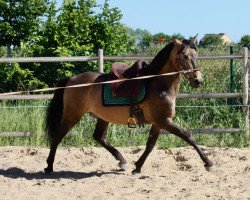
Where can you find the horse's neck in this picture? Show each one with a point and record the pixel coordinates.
(170, 82)
(168, 67)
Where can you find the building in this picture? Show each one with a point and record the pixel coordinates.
(225, 38)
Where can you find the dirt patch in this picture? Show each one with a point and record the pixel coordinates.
(92, 173)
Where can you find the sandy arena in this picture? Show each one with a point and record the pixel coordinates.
(92, 173)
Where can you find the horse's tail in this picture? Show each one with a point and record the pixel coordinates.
(55, 110)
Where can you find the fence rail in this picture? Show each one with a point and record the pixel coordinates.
(101, 58)
(107, 58)
(48, 59)
(180, 96)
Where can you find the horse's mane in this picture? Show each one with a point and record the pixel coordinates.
(189, 43)
(160, 59)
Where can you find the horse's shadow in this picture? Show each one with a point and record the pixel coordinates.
(15, 173)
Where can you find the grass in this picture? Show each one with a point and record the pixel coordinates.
(23, 116)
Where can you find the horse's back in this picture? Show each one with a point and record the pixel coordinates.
(86, 77)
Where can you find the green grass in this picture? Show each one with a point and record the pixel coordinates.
(28, 116)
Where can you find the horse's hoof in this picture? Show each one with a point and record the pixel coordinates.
(136, 172)
(209, 167)
(48, 170)
(123, 166)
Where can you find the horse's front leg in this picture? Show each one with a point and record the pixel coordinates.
(153, 136)
(172, 128)
(100, 136)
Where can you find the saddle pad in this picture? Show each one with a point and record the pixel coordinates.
(109, 99)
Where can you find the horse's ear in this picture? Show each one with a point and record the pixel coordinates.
(177, 42)
(194, 38)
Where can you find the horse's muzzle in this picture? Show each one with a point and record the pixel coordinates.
(195, 82)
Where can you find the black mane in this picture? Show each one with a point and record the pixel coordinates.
(189, 43)
(160, 59)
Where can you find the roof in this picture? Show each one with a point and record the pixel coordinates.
(219, 34)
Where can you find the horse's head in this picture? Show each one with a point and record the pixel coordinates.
(185, 58)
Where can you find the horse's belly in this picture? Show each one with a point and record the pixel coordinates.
(114, 114)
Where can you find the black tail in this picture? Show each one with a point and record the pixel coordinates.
(55, 110)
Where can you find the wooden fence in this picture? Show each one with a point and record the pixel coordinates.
(101, 58)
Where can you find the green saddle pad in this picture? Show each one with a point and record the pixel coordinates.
(109, 100)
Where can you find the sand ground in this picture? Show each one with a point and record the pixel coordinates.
(92, 173)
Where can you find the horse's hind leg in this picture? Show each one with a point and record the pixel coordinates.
(153, 136)
(61, 131)
(172, 128)
(100, 136)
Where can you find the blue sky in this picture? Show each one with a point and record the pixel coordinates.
(187, 17)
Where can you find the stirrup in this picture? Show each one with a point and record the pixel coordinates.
(131, 122)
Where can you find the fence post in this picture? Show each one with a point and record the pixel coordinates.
(232, 87)
(245, 94)
(100, 60)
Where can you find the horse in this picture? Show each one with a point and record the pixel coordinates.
(69, 104)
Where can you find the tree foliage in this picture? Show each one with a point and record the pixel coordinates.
(211, 40)
(18, 19)
(160, 38)
(76, 29)
(146, 43)
(245, 41)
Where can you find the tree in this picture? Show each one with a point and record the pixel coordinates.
(211, 40)
(74, 21)
(18, 19)
(245, 41)
(137, 34)
(108, 32)
(137, 39)
(42, 43)
(146, 40)
(82, 31)
(178, 36)
(73, 30)
(160, 38)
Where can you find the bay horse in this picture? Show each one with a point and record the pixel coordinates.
(68, 105)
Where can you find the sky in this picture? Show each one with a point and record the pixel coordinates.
(187, 17)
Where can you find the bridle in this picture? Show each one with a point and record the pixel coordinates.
(182, 64)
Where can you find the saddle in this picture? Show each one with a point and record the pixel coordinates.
(129, 88)
(122, 70)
